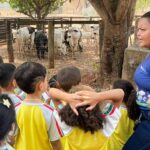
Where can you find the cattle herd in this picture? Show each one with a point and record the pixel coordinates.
(66, 41)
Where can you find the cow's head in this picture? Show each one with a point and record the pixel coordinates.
(31, 30)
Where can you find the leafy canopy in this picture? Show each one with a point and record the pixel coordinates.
(36, 9)
(142, 4)
(2, 1)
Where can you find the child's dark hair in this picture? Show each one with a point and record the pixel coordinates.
(86, 120)
(28, 74)
(132, 107)
(146, 15)
(7, 115)
(126, 86)
(53, 82)
(6, 74)
(68, 77)
(129, 97)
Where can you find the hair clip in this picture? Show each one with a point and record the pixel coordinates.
(6, 103)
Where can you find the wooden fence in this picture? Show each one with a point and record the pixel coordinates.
(6, 24)
(2, 33)
(9, 23)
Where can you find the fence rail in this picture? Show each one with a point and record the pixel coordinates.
(16, 22)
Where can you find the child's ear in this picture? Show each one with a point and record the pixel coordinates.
(57, 85)
(41, 86)
(14, 83)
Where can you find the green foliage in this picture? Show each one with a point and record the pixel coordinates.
(36, 9)
(2, 1)
(142, 4)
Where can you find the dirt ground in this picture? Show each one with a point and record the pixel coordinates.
(87, 62)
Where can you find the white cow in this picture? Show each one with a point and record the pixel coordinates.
(59, 44)
(95, 37)
(91, 35)
(91, 30)
(24, 38)
(95, 31)
(87, 36)
(73, 40)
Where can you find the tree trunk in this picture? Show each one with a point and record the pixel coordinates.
(112, 53)
(117, 18)
(9, 42)
(39, 17)
(40, 26)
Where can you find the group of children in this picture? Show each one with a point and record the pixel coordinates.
(73, 116)
(52, 124)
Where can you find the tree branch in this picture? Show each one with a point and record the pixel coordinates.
(122, 9)
(130, 14)
(109, 9)
(46, 12)
(98, 5)
(49, 2)
(26, 13)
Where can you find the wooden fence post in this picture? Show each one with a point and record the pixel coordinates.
(9, 42)
(101, 34)
(51, 44)
(18, 23)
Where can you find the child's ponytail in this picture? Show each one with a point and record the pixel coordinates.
(132, 107)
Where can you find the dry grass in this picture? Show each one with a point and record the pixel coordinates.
(86, 61)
